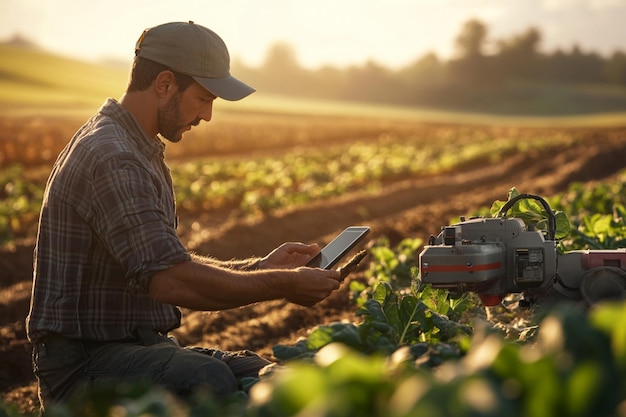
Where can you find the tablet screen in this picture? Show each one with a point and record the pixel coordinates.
(339, 247)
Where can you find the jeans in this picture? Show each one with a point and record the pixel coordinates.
(61, 365)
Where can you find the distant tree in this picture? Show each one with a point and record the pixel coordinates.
(576, 66)
(470, 69)
(422, 80)
(371, 82)
(556, 67)
(475, 78)
(281, 57)
(427, 69)
(471, 41)
(615, 68)
(587, 67)
(518, 57)
(281, 72)
(525, 44)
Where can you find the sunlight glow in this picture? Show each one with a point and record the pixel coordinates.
(350, 32)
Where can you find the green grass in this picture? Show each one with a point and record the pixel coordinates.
(32, 81)
(36, 82)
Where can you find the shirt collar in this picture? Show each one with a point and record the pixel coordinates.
(149, 146)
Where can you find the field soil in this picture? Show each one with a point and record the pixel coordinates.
(411, 207)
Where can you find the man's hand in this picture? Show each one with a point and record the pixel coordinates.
(308, 286)
(289, 255)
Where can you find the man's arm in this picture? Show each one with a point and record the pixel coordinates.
(240, 264)
(209, 287)
(286, 256)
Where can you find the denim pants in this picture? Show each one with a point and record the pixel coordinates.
(61, 365)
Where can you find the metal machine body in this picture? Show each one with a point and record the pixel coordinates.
(494, 257)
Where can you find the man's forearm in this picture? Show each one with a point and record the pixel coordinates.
(201, 286)
(249, 264)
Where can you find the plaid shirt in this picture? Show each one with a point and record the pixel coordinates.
(107, 225)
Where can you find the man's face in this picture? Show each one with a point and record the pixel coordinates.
(170, 120)
(184, 110)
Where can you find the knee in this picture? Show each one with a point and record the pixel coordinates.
(217, 375)
(190, 371)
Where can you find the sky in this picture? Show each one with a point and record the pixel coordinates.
(393, 33)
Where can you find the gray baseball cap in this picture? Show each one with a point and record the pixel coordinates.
(195, 51)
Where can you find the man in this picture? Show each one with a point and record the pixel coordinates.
(109, 269)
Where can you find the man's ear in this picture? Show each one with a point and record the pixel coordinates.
(165, 83)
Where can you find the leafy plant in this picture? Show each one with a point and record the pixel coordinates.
(576, 368)
(396, 266)
(391, 320)
(20, 202)
(532, 213)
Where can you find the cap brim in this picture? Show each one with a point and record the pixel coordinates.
(227, 88)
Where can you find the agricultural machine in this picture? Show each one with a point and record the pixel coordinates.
(497, 256)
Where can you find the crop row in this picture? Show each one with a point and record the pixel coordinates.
(306, 175)
(297, 177)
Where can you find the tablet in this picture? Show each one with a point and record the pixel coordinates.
(338, 247)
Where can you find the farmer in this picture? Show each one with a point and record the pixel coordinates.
(109, 270)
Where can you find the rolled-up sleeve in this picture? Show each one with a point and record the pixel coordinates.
(134, 216)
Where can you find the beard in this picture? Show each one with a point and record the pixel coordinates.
(171, 125)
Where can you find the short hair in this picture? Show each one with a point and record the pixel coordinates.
(145, 71)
